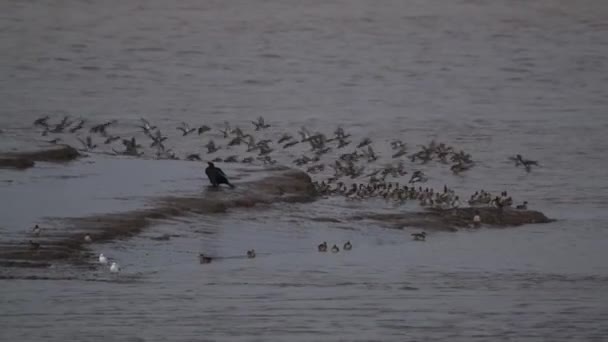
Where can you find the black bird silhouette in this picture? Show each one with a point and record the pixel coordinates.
(217, 176)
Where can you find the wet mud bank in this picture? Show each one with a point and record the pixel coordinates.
(68, 244)
(453, 219)
(27, 159)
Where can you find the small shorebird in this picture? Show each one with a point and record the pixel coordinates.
(251, 254)
(335, 249)
(322, 247)
(103, 259)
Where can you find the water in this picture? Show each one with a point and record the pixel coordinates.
(494, 78)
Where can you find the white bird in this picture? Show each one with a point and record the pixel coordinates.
(88, 239)
(114, 268)
(103, 259)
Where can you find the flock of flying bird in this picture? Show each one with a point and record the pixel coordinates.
(347, 167)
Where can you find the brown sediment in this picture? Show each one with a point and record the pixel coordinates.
(452, 219)
(24, 160)
(280, 186)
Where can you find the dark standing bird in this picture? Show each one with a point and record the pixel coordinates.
(217, 176)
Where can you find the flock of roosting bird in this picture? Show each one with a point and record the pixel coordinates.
(354, 174)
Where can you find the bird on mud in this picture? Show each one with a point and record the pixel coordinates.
(335, 249)
(103, 259)
(251, 254)
(216, 176)
(348, 246)
(322, 247)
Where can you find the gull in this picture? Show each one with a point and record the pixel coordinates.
(114, 268)
(203, 129)
(289, 144)
(364, 142)
(111, 139)
(103, 259)
(157, 139)
(235, 141)
(231, 159)
(304, 133)
(401, 152)
(397, 144)
(101, 128)
(193, 157)
(519, 160)
(418, 176)
(260, 124)
(343, 143)
(211, 148)
(264, 149)
(88, 239)
(251, 144)
(77, 127)
(146, 127)
(339, 132)
(284, 138)
(227, 129)
(88, 144)
(371, 155)
(42, 121)
(62, 125)
(185, 129)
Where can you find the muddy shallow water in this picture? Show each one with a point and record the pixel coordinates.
(492, 78)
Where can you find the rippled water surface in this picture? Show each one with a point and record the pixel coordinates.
(494, 78)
